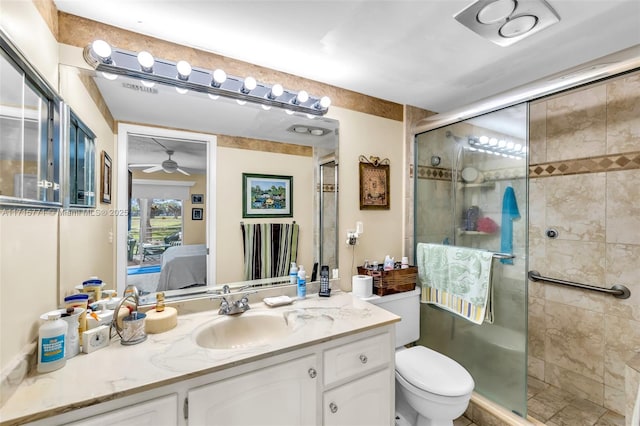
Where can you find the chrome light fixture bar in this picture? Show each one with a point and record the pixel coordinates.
(181, 75)
(497, 146)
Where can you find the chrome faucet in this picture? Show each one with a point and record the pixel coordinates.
(231, 307)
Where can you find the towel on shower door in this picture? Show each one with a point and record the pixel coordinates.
(457, 279)
(509, 213)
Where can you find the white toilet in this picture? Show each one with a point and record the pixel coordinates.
(431, 389)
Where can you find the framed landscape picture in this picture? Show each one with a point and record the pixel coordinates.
(267, 195)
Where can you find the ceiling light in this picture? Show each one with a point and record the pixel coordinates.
(109, 59)
(145, 59)
(184, 70)
(181, 90)
(102, 50)
(146, 83)
(214, 97)
(317, 132)
(300, 129)
(505, 22)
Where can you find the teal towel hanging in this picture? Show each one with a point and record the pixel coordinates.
(509, 213)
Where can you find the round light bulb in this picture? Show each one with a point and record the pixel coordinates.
(145, 59)
(184, 70)
(249, 84)
(493, 141)
(484, 140)
(219, 77)
(502, 143)
(102, 49)
(302, 97)
(517, 147)
(325, 102)
(510, 145)
(276, 91)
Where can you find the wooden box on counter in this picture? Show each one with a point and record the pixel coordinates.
(393, 281)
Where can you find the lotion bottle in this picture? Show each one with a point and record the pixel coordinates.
(302, 283)
(293, 274)
(51, 343)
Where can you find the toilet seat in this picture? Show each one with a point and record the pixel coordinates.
(433, 372)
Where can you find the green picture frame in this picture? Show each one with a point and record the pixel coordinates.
(266, 195)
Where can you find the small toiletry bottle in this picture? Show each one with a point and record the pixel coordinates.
(302, 283)
(51, 339)
(388, 263)
(293, 274)
(325, 291)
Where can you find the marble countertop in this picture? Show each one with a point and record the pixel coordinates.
(169, 357)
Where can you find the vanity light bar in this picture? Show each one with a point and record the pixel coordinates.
(108, 59)
(497, 147)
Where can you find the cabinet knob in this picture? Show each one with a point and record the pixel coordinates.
(313, 373)
(363, 359)
(333, 407)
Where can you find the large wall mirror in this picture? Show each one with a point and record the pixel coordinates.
(180, 160)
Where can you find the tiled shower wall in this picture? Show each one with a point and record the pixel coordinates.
(585, 182)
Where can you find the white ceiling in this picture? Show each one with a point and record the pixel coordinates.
(409, 52)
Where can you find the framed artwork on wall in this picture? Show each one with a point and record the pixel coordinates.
(374, 184)
(105, 181)
(267, 195)
(197, 199)
(196, 214)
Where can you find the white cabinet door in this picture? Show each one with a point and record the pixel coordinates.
(281, 395)
(161, 411)
(363, 402)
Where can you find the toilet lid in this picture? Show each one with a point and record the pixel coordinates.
(433, 372)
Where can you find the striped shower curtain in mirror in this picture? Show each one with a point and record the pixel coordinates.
(269, 249)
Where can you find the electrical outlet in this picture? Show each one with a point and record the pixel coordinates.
(352, 238)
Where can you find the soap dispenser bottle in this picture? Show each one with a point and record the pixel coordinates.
(302, 283)
(293, 274)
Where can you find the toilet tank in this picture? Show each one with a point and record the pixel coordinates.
(407, 306)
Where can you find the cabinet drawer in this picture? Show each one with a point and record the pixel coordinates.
(357, 357)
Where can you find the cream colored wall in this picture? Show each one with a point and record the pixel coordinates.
(229, 254)
(28, 244)
(87, 237)
(365, 134)
(194, 231)
(580, 341)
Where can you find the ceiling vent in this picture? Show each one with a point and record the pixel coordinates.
(505, 22)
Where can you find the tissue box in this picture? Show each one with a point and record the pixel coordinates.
(393, 281)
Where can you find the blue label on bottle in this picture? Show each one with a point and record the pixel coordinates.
(52, 349)
(302, 289)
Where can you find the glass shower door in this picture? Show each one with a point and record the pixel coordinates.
(471, 191)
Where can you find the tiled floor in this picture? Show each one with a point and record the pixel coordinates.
(554, 407)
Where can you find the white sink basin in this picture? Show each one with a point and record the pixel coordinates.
(246, 330)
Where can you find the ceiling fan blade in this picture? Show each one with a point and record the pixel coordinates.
(142, 165)
(155, 168)
(183, 172)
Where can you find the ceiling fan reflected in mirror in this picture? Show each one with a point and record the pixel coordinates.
(167, 166)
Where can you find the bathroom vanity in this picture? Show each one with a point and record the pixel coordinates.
(318, 361)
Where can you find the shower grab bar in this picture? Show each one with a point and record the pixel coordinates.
(618, 290)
